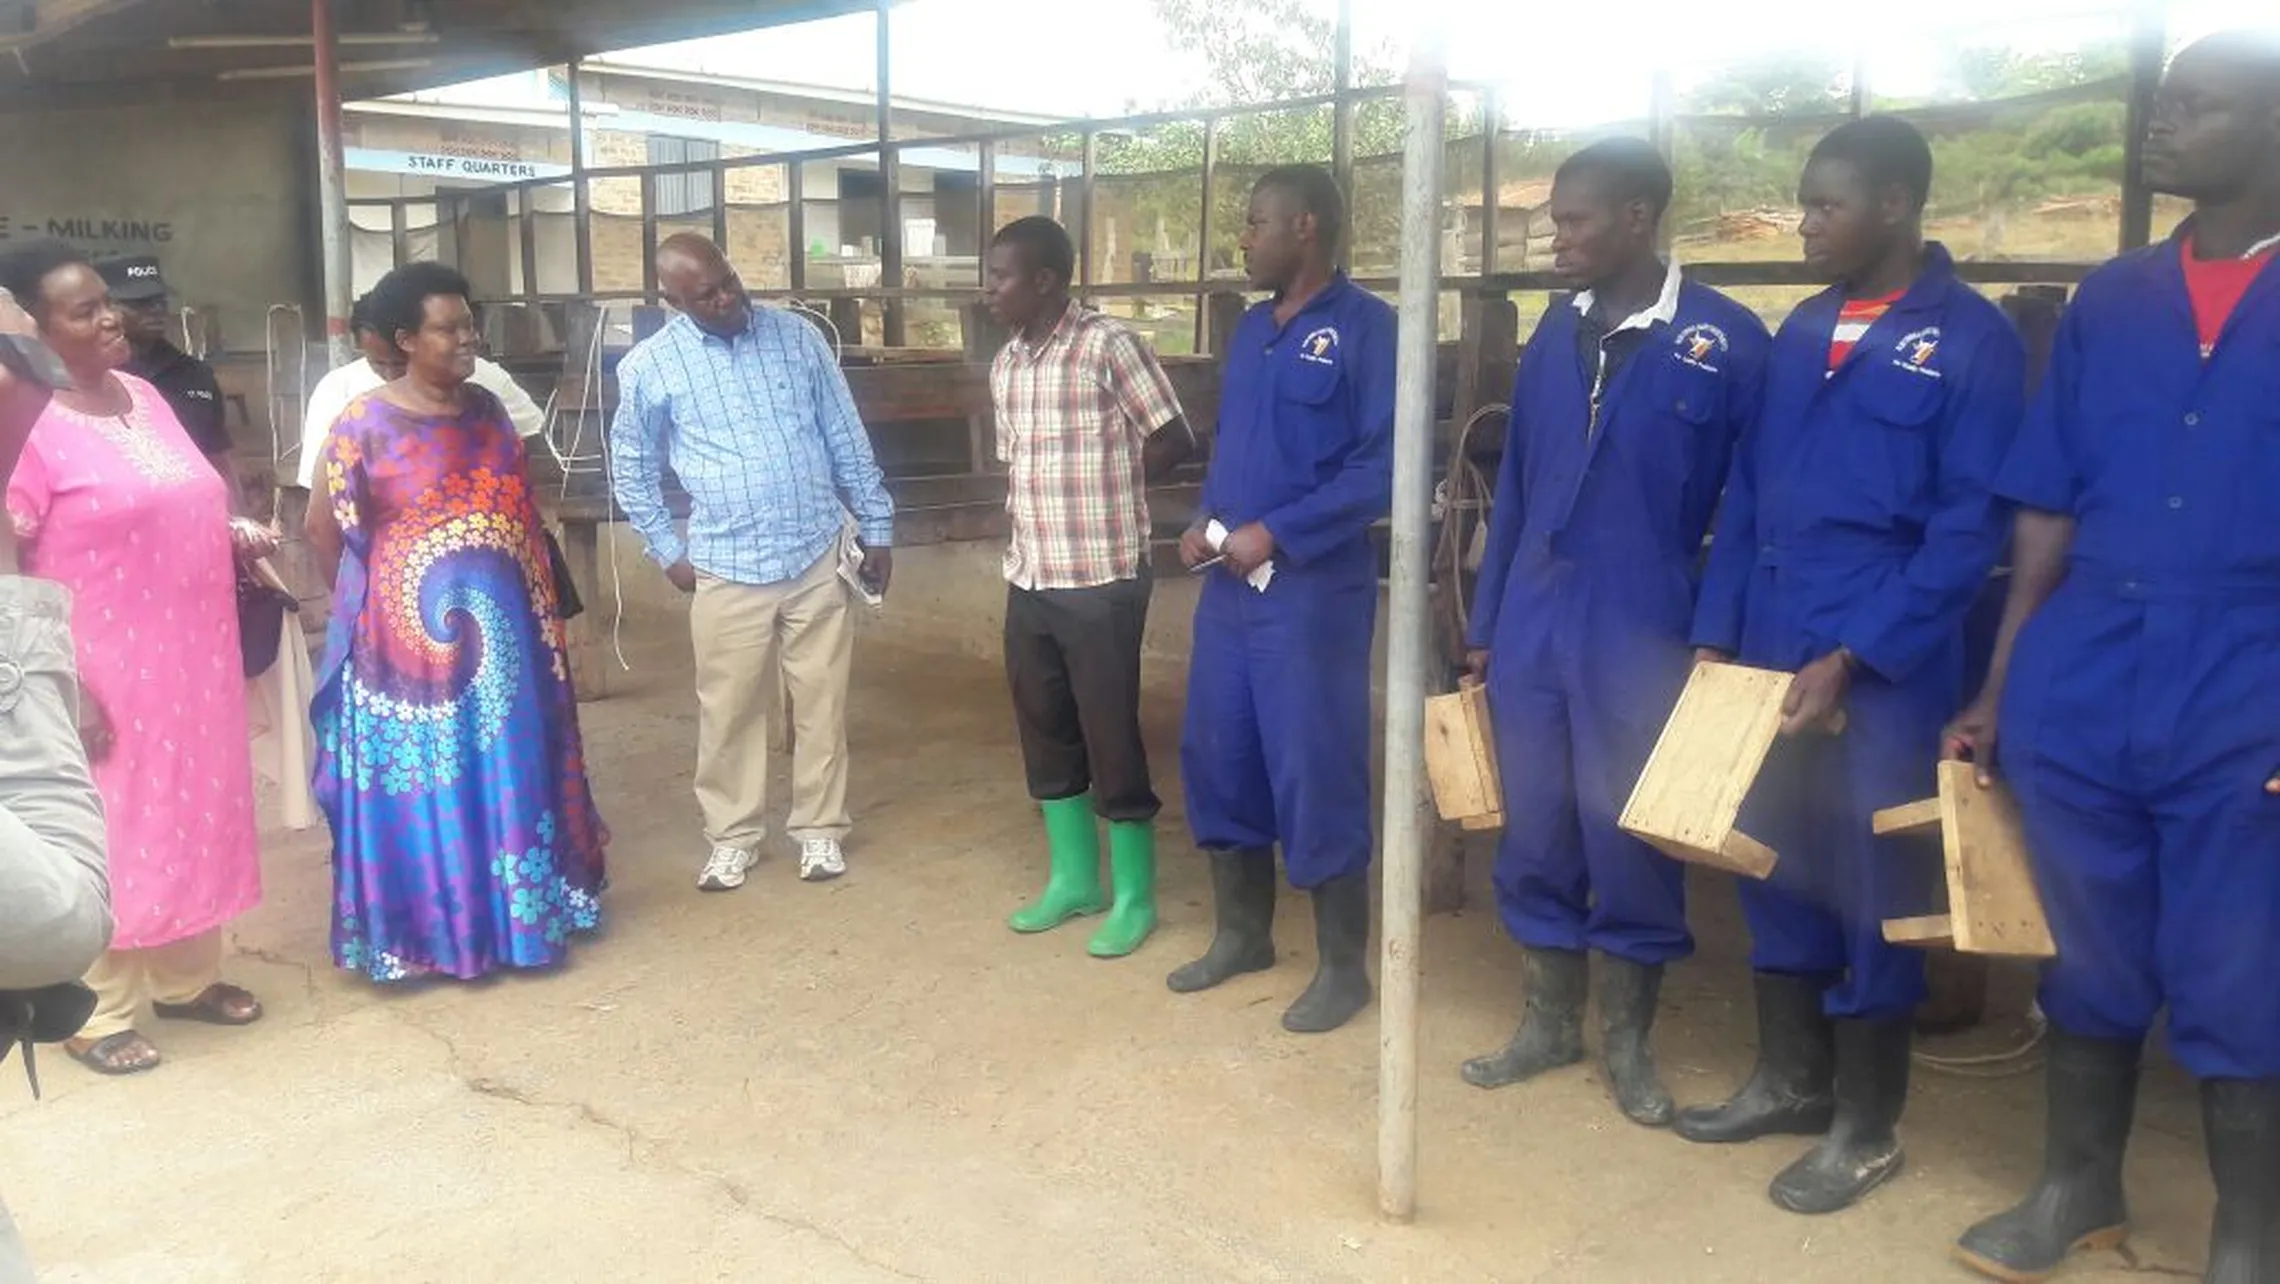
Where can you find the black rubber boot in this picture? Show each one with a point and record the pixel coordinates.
(1862, 1149)
(1551, 1021)
(1341, 985)
(1790, 1092)
(1243, 908)
(2077, 1206)
(2242, 1120)
(1628, 993)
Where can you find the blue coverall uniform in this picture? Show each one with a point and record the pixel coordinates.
(1619, 444)
(1860, 513)
(1277, 741)
(2141, 717)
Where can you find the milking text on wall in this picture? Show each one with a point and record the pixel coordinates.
(88, 228)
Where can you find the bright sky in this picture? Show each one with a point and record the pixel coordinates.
(1559, 64)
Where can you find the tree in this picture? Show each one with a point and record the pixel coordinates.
(1257, 54)
(2032, 125)
(1992, 72)
(1779, 85)
(1273, 51)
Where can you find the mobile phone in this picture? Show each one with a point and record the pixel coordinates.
(29, 359)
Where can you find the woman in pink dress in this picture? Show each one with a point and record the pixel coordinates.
(113, 502)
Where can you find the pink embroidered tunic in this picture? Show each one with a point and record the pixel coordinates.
(125, 513)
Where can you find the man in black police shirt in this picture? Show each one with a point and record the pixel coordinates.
(186, 382)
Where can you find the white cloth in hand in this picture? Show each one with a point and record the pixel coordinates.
(851, 565)
(1215, 534)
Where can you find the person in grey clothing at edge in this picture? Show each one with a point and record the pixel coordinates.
(55, 898)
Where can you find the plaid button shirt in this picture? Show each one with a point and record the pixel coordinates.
(1072, 415)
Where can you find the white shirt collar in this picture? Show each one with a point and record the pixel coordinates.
(1665, 308)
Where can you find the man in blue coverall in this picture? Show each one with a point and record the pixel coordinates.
(1859, 523)
(1624, 416)
(1277, 742)
(2137, 675)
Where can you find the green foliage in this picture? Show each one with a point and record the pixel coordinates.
(1991, 72)
(1720, 170)
(2066, 140)
(1779, 85)
(2069, 149)
(1264, 52)
(1744, 134)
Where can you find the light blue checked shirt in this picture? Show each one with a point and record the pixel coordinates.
(762, 431)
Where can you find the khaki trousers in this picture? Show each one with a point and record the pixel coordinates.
(175, 972)
(750, 640)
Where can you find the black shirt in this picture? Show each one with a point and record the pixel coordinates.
(189, 386)
(1603, 352)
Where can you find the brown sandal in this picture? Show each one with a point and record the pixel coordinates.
(110, 1055)
(218, 1004)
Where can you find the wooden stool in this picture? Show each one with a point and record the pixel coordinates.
(1460, 757)
(1993, 907)
(1708, 756)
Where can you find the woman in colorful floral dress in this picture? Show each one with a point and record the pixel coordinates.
(465, 838)
(114, 502)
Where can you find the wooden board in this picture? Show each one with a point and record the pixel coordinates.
(1993, 907)
(1703, 765)
(1906, 818)
(1460, 757)
(1929, 929)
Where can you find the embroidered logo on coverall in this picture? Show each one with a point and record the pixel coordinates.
(1700, 345)
(1914, 352)
(1321, 347)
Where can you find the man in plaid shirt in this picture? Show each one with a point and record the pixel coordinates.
(1085, 419)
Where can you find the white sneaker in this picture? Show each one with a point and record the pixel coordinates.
(821, 859)
(724, 869)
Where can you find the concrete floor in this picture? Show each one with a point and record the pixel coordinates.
(873, 1080)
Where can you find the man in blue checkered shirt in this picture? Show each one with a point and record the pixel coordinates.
(748, 407)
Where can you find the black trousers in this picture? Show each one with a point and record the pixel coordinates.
(1072, 657)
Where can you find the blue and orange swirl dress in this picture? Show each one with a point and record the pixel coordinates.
(465, 837)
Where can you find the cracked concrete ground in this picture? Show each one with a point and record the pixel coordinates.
(873, 1080)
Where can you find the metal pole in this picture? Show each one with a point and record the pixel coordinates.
(332, 189)
(1491, 179)
(581, 189)
(1662, 128)
(1204, 339)
(1087, 271)
(985, 209)
(890, 185)
(1342, 117)
(1662, 113)
(795, 217)
(2148, 46)
(1409, 625)
(649, 204)
(527, 251)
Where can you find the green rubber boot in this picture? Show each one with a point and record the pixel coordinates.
(1072, 889)
(1132, 867)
